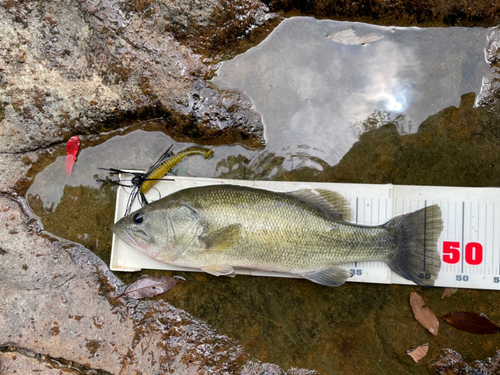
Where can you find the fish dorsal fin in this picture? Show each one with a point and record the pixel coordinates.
(329, 201)
(221, 239)
(331, 276)
(218, 269)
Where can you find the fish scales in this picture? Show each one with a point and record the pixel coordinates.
(285, 234)
(222, 227)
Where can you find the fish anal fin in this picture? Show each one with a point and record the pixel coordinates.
(334, 204)
(218, 269)
(221, 239)
(330, 276)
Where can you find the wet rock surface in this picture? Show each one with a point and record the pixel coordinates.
(82, 68)
(236, 23)
(397, 12)
(14, 362)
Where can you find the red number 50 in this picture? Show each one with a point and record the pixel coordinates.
(473, 252)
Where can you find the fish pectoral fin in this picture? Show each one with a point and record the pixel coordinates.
(330, 202)
(218, 269)
(221, 239)
(331, 276)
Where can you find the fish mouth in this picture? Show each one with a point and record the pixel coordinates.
(130, 239)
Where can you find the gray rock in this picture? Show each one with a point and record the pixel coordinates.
(77, 67)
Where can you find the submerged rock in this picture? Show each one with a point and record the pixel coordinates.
(454, 147)
(451, 362)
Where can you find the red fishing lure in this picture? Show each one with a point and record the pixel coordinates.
(71, 151)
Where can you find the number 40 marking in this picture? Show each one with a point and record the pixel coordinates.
(473, 252)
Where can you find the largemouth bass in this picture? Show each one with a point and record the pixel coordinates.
(221, 227)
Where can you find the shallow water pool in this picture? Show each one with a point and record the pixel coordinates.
(340, 102)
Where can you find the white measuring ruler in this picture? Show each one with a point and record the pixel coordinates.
(469, 246)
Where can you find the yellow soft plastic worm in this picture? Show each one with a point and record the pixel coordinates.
(171, 162)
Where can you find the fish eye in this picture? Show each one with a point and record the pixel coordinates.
(138, 218)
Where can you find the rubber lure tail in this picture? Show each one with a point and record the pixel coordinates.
(142, 182)
(162, 169)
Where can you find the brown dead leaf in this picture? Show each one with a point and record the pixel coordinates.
(448, 292)
(471, 322)
(150, 286)
(418, 353)
(423, 314)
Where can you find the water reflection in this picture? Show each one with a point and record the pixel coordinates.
(458, 146)
(321, 84)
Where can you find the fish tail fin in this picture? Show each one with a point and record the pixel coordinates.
(416, 257)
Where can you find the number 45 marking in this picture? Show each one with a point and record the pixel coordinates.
(473, 252)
